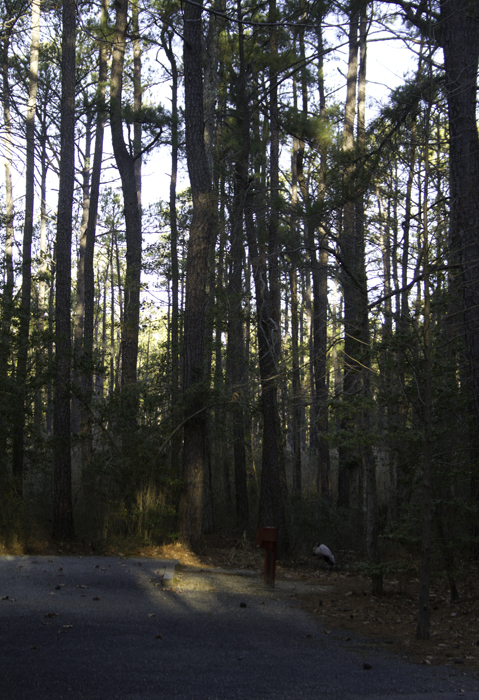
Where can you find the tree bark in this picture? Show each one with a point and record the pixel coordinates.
(129, 183)
(44, 273)
(89, 275)
(319, 264)
(25, 303)
(211, 78)
(7, 301)
(201, 231)
(295, 245)
(424, 612)
(63, 527)
(349, 461)
(236, 364)
(79, 318)
(273, 227)
(271, 504)
(372, 526)
(167, 42)
(459, 32)
(137, 94)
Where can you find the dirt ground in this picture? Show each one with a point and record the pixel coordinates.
(341, 599)
(338, 596)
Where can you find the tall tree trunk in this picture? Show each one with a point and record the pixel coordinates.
(459, 31)
(319, 265)
(43, 272)
(89, 277)
(271, 505)
(236, 364)
(211, 77)
(137, 94)
(295, 245)
(201, 231)
(79, 318)
(7, 301)
(372, 526)
(349, 461)
(62, 493)
(422, 627)
(266, 279)
(273, 226)
(128, 173)
(25, 303)
(167, 42)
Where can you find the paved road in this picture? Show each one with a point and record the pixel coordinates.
(91, 628)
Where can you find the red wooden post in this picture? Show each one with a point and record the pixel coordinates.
(267, 539)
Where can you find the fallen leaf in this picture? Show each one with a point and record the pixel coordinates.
(96, 598)
(50, 614)
(158, 636)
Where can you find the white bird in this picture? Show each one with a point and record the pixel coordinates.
(325, 553)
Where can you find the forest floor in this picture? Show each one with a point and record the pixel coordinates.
(342, 601)
(339, 597)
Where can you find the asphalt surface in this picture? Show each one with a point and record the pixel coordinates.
(86, 628)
